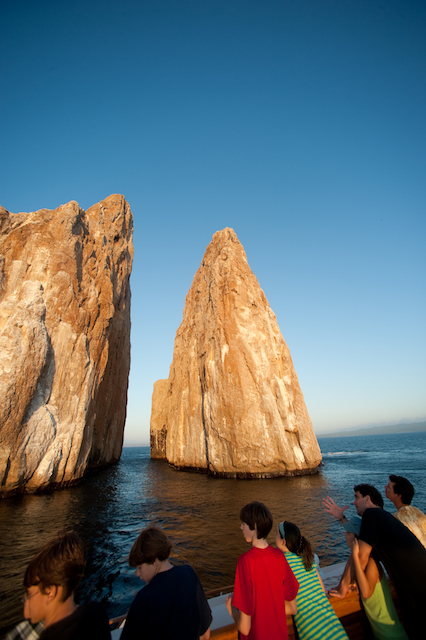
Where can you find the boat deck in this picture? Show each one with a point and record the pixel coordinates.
(348, 610)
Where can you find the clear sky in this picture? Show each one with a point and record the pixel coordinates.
(301, 124)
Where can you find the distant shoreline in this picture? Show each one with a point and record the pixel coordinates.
(134, 443)
(403, 427)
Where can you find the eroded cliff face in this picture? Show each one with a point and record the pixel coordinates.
(232, 404)
(64, 341)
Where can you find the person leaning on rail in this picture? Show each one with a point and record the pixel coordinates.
(401, 553)
(173, 603)
(265, 588)
(315, 616)
(373, 589)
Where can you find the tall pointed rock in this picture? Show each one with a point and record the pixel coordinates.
(232, 405)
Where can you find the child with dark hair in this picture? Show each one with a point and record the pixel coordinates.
(173, 603)
(258, 517)
(150, 545)
(315, 618)
(374, 590)
(265, 588)
(50, 580)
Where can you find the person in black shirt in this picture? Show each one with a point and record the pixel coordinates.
(401, 553)
(173, 603)
(403, 557)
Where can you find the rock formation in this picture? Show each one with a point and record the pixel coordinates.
(64, 341)
(232, 405)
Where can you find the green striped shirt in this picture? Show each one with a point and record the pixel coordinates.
(315, 618)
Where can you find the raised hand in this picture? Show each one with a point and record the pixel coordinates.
(333, 509)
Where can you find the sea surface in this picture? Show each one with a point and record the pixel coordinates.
(200, 513)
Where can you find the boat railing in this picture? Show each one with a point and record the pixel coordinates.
(347, 609)
(220, 591)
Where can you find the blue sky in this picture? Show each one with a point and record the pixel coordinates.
(300, 124)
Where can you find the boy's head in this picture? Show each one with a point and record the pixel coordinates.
(59, 563)
(402, 487)
(257, 516)
(151, 544)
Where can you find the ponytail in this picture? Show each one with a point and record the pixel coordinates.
(306, 553)
(298, 544)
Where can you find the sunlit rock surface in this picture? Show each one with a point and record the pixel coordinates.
(64, 341)
(232, 405)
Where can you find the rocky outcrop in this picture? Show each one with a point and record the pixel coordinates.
(232, 405)
(64, 341)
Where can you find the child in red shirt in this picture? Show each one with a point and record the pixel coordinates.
(265, 587)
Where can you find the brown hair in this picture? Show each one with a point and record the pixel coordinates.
(403, 488)
(151, 543)
(298, 544)
(369, 490)
(60, 562)
(256, 514)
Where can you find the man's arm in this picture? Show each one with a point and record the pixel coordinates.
(205, 635)
(241, 619)
(333, 509)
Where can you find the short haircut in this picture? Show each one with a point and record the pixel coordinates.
(369, 490)
(151, 543)
(403, 488)
(256, 514)
(60, 563)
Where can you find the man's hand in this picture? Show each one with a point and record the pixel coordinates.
(333, 509)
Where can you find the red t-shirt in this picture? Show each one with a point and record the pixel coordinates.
(263, 581)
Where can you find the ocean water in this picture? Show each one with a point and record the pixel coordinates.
(200, 513)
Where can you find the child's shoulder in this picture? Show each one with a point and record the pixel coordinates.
(255, 553)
